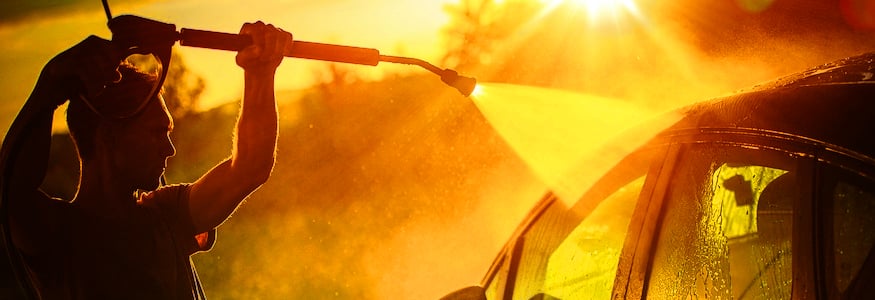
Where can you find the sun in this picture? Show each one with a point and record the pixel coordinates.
(597, 9)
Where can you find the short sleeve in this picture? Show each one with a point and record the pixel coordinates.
(171, 204)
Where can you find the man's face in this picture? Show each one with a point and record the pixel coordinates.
(144, 145)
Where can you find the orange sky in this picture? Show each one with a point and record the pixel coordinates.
(395, 27)
(413, 28)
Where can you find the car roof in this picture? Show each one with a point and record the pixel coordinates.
(832, 104)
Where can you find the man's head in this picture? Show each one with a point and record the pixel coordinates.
(135, 146)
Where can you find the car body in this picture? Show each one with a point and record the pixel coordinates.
(768, 193)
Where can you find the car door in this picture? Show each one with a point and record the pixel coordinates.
(747, 215)
(731, 225)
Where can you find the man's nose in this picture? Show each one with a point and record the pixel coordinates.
(169, 149)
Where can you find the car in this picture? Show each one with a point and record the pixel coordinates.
(767, 193)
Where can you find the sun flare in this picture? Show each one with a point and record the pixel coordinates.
(596, 9)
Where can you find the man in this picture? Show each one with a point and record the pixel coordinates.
(124, 236)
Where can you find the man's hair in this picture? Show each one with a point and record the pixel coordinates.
(117, 99)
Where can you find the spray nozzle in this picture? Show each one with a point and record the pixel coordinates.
(465, 85)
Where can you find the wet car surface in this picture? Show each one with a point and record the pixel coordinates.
(765, 194)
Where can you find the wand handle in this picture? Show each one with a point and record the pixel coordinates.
(298, 49)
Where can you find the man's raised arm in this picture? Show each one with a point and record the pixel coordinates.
(217, 194)
(84, 68)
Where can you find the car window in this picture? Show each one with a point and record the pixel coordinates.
(584, 264)
(573, 252)
(726, 226)
(853, 226)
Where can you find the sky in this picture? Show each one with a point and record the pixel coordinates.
(733, 41)
(35, 31)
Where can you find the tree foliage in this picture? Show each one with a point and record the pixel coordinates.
(182, 88)
(478, 27)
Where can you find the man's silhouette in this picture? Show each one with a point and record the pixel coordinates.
(124, 235)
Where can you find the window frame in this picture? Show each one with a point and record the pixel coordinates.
(860, 170)
(504, 268)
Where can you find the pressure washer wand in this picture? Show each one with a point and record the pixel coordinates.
(325, 52)
(465, 85)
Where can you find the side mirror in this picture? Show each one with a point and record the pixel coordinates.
(468, 293)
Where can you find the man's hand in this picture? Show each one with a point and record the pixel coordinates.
(85, 68)
(266, 51)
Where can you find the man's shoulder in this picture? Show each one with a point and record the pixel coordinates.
(165, 195)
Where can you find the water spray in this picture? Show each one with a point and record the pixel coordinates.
(144, 36)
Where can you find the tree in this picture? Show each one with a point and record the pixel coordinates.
(478, 27)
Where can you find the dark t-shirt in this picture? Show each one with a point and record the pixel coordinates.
(143, 255)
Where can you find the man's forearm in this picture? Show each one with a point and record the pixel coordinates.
(218, 193)
(28, 142)
(25, 156)
(255, 141)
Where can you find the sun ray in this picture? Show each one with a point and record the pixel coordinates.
(596, 10)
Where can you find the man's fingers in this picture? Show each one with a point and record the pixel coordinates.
(268, 46)
(271, 51)
(266, 43)
(257, 35)
(282, 39)
(89, 66)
